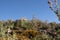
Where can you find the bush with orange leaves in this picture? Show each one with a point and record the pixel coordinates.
(30, 33)
(27, 34)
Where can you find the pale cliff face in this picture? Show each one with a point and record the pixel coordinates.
(23, 19)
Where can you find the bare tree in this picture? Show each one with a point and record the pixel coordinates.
(54, 6)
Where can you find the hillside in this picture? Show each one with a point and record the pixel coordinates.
(24, 29)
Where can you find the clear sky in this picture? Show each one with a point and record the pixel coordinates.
(16, 9)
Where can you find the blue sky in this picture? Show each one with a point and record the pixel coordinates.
(16, 9)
